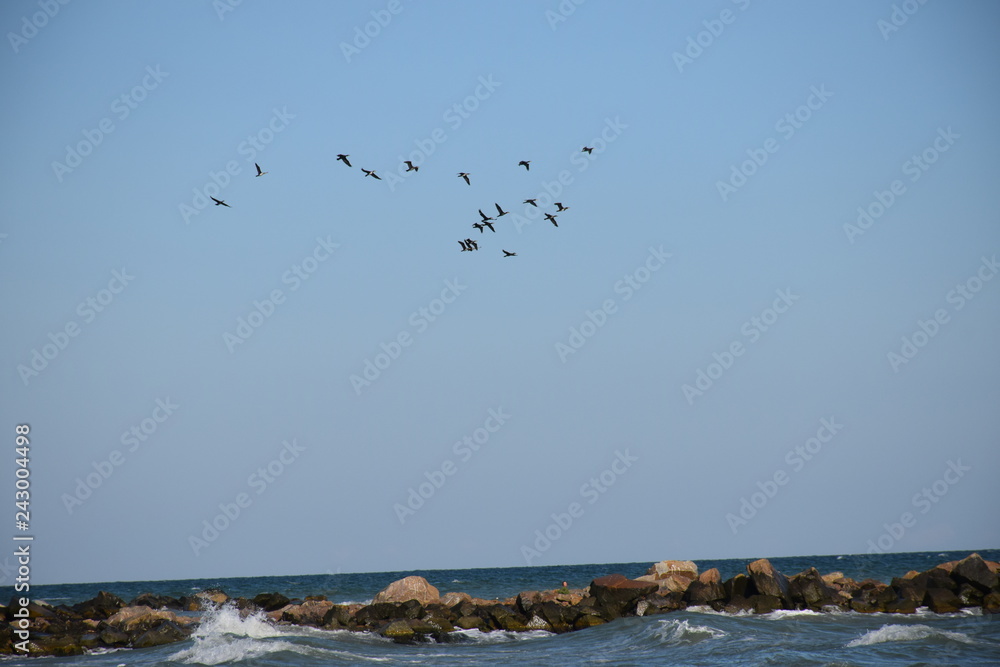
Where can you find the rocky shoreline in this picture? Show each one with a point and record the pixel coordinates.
(412, 610)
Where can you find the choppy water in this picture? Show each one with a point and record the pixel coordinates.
(691, 637)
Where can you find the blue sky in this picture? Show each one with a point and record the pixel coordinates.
(710, 357)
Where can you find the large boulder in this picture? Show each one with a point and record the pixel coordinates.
(100, 607)
(310, 612)
(166, 632)
(942, 601)
(672, 576)
(615, 592)
(809, 589)
(706, 589)
(975, 571)
(270, 601)
(408, 588)
(768, 581)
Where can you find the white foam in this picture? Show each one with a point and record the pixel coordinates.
(907, 633)
(498, 636)
(682, 632)
(779, 614)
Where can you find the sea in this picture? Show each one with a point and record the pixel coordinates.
(696, 636)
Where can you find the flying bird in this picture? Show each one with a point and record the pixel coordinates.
(465, 248)
(410, 167)
(343, 158)
(525, 164)
(588, 150)
(485, 217)
(219, 202)
(561, 207)
(490, 225)
(479, 226)
(371, 173)
(551, 218)
(529, 201)
(465, 175)
(472, 244)
(500, 212)
(509, 254)
(259, 172)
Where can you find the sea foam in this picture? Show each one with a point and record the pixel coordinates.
(682, 632)
(907, 633)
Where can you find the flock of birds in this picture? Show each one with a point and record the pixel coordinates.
(467, 244)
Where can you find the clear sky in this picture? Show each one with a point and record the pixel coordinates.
(766, 326)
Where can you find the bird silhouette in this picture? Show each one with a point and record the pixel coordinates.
(479, 226)
(500, 212)
(259, 172)
(465, 248)
(490, 225)
(509, 254)
(343, 158)
(551, 218)
(371, 173)
(529, 201)
(561, 207)
(410, 167)
(219, 202)
(525, 164)
(465, 175)
(588, 150)
(485, 217)
(472, 244)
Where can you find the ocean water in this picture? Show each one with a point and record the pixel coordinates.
(690, 637)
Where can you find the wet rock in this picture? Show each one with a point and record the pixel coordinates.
(942, 601)
(991, 603)
(155, 601)
(211, 597)
(587, 621)
(398, 630)
(470, 622)
(452, 599)
(765, 604)
(408, 588)
(310, 612)
(100, 607)
(165, 632)
(337, 616)
(615, 592)
(270, 601)
(809, 590)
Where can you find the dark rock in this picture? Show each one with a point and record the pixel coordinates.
(100, 607)
(942, 601)
(526, 600)
(57, 645)
(114, 637)
(765, 604)
(164, 633)
(810, 590)
(373, 614)
(503, 617)
(767, 580)
(615, 592)
(310, 612)
(866, 597)
(973, 570)
(587, 621)
(338, 616)
(908, 589)
(559, 617)
(397, 630)
(706, 589)
(991, 603)
(740, 586)
(970, 596)
(661, 604)
(270, 601)
(470, 622)
(901, 607)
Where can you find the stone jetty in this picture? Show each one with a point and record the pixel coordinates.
(411, 609)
